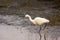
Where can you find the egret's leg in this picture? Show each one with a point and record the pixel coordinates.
(40, 32)
(45, 31)
(45, 28)
(44, 36)
(40, 35)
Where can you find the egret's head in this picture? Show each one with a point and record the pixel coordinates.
(27, 15)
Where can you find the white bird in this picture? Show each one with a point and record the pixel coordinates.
(37, 20)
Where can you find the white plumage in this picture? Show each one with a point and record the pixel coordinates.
(37, 20)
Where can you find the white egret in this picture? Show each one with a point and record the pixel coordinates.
(38, 21)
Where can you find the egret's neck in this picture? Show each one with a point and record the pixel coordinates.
(30, 18)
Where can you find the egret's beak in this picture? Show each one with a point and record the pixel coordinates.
(25, 15)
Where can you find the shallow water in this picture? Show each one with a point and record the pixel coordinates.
(16, 27)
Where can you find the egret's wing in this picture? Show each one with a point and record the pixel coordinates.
(40, 21)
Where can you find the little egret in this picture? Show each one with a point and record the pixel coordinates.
(38, 21)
